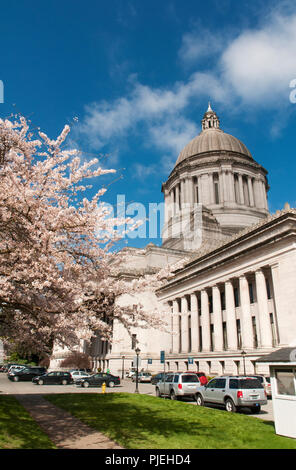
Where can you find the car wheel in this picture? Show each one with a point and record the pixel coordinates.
(16, 378)
(230, 406)
(157, 393)
(64, 382)
(40, 382)
(173, 395)
(111, 384)
(85, 384)
(256, 409)
(199, 400)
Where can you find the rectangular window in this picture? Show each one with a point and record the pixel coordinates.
(134, 341)
(210, 304)
(212, 337)
(251, 293)
(200, 338)
(255, 337)
(199, 305)
(268, 290)
(180, 334)
(236, 296)
(196, 194)
(216, 188)
(189, 334)
(285, 382)
(239, 336)
(225, 346)
(222, 298)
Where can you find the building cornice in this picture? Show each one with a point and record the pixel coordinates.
(275, 227)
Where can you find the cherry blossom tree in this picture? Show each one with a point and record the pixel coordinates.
(58, 259)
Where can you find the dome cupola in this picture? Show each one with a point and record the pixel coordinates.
(217, 171)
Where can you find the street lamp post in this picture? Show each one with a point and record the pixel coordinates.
(137, 370)
(122, 373)
(243, 353)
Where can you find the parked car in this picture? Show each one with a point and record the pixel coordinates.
(201, 375)
(177, 385)
(130, 374)
(142, 377)
(96, 380)
(158, 377)
(26, 374)
(53, 378)
(233, 392)
(11, 367)
(78, 374)
(16, 368)
(265, 381)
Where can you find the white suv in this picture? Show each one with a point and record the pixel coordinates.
(178, 385)
(233, 392)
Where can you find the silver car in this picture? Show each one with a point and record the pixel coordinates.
(233, 392)
(178, 385)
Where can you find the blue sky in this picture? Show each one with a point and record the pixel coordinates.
(139, 74)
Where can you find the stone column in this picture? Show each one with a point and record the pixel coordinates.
(230, 316)
(251, 194)
(264, 319)
(184, 325)
(205, 321)
(194, 323)
(175, 332)
(241, 189)
(189, 192)
(246, 316)
(167, 200)
(264, 194)
(277, 296)
(217, 318)
(205, 190)
(231, 186)
(224, 192)
(177, 192)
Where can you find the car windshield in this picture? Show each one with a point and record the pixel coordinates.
(249, 383)
(189, 378)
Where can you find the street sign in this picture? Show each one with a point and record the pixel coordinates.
(190, 360)
(149, 361)
(162, 355)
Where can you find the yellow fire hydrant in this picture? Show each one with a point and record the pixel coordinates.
(104, 387)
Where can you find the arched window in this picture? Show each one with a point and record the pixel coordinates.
(216, 188)
(236, 189)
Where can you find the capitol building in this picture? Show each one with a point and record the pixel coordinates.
(234, 298)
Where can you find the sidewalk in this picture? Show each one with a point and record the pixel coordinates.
(65, 431)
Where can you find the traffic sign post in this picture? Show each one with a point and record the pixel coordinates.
(162, 361)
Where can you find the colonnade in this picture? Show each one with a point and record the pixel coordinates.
(233, 187)
(220, 317)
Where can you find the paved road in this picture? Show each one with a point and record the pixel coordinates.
(12, 388)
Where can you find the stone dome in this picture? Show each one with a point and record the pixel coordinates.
(211, 139)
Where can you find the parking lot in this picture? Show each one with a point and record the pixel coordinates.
(13, 388)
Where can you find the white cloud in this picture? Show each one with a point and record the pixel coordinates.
(259, 64)
(198, 44)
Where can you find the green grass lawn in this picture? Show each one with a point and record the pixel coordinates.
(146, 422)
(17, 429)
